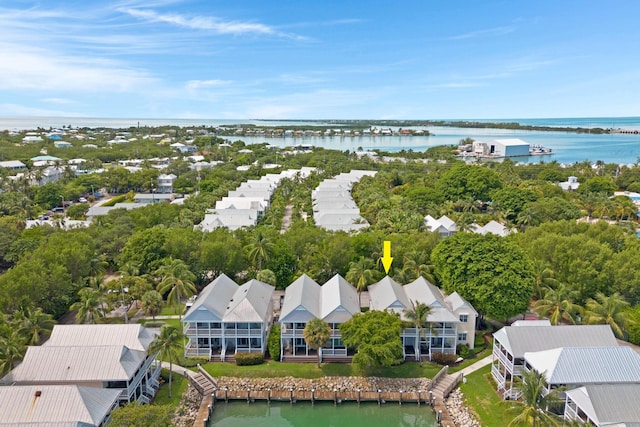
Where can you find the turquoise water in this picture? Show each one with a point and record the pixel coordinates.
(321, 414)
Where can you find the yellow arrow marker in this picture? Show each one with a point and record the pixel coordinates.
(387, 259)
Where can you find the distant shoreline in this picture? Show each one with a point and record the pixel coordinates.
(593, 125)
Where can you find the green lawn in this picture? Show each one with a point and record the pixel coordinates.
(172, 322)
(310, 370)
(481, 397)
(178, 387)
(171, 310)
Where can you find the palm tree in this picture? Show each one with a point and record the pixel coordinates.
(259, 250)
(177, 280)
(417, 264)
(316, 334)
(558, 305)
(152, 303)
(533, 410)
(35, 325)
(543, 277)
(168, 345)
(360, 274)
(90, 307)
(417, 315)
(12, 350)
(608, 310)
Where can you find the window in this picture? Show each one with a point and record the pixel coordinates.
(464, 318)
(462, 336)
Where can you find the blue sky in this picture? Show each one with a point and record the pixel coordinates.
(300, 59)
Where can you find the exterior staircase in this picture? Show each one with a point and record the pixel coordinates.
(444, 386)
(204, 382)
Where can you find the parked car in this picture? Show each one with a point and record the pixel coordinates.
(82, 200)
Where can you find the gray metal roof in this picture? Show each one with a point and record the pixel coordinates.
(388, 294)
(133, 336)
(56, 405)
(212, 302)
(609, 404)
(456, 302)
(250, 303)
(339, 300)
(301, 300)
(518, 339)
(55, 365)
(587, 365)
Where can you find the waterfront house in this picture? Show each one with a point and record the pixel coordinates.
(103, 356)
(226, 319)
(571, 367)
(56, 405)
(335, 302)
(603, 405)
(512, 342)
(450, 322)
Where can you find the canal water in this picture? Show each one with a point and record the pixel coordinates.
(321, 414)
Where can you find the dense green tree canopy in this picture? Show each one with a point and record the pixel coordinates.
(492, 273)
(376, 337)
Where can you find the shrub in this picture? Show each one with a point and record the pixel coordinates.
(444, 358)
(273, 343)
(117, 199)
(464, 351)
(248, 359)
(191, 362)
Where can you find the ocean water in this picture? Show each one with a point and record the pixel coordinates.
(321, 414)
(567, 147)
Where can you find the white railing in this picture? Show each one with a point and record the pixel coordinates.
(334, 351)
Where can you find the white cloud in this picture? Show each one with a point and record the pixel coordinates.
(490, 32)
(40, 70)
(202, 84)
(202, 23)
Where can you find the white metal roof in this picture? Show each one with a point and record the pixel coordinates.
(54, 365)
(388, 294)
(134, 336)
(55, 405)
(339, 300)
(456, 302)
(512, 142)
(250, 303)
(587, 365)
(212, 302)
(301, 300)
(519, 340)
(423, 291)
(609, 404)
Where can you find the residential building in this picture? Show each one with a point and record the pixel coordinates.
(443, 225)
(14, 165)
(512, 342)
(165, 183)
(152, 198)
(103, 356)
(571, 367)
(226, 319)
(571, 184)
(450, 322)
(335, 302)
(56, 405)
(333, 206)
(62, 144)
(603, 405)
